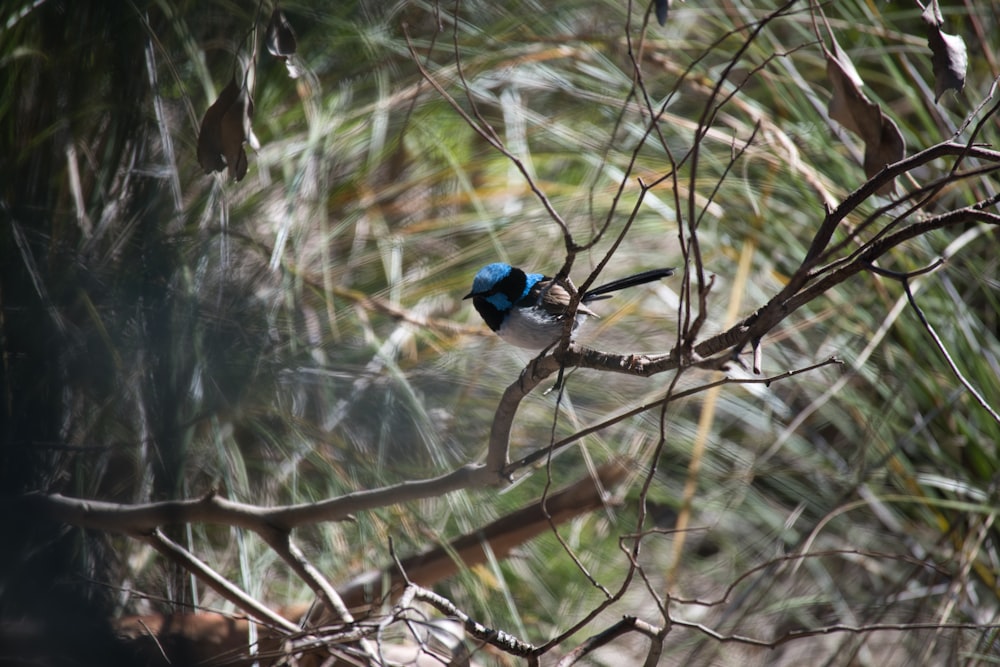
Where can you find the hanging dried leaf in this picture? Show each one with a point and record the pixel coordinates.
(887, 149)
(224, 129)
(210, 152)
(948, 53)
(662, 7)
(851, 108)
(280, 36)
(235, 126)
(281, 42)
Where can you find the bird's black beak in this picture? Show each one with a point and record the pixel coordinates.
(468, 296)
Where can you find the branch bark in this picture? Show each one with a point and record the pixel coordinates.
(139, 520)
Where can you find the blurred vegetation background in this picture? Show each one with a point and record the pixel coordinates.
(301, 334)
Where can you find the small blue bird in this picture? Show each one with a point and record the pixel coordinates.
(529, 309)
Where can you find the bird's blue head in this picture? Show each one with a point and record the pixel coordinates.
(497, 288)
(502, 285)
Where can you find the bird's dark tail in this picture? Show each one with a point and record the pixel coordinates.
(642, 278)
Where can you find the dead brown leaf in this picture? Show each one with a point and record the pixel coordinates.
(210, 135)
(224, 129)
(948, 53)
(850, 107)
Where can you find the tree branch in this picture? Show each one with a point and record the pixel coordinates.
(622, 627)
(142, 519)
(215, 581)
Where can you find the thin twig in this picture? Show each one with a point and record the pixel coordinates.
(537, 455)
(489, 135)
(830, 629)
(947, 356)
(626, 625)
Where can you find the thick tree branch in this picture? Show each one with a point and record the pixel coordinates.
(140, 519)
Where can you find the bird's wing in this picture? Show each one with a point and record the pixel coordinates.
(555, 297)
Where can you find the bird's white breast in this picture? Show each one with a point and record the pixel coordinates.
(533, 328)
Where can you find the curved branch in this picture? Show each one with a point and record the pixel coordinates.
(144, 519)
(539, 368)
